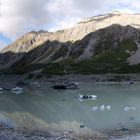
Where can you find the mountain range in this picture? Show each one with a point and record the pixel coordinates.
(108, 43)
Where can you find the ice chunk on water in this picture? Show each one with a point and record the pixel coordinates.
(129, 108)
(17, 89)
(132, 108)
(126, 109)
(1, 90)
(95, 108)
(108, 107)
(102, 107)
(93, 97)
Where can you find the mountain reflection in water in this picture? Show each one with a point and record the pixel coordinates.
(45, 108)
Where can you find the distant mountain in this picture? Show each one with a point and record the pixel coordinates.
(101, 44)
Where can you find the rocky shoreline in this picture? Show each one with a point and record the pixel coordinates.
(78, 77)
(93, 78)
(7, 133)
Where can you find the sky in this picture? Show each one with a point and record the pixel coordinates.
(18, 17)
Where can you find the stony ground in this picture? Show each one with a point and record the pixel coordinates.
(13, 79)
(12, 134)
(7, 133)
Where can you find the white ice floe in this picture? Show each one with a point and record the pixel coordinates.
(2, 90)
(95, 108)
(102, 108)
(80, 96)
(126, 109)
(94, 97)
(129, 108)
(108, 107)
(17, 90)
(133, 108)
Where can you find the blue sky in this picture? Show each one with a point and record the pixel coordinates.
(20, 16)
(4, 40)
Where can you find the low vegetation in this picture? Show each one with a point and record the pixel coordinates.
(107, 60)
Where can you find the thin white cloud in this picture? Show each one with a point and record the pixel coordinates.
(65, 13)
(19, 16)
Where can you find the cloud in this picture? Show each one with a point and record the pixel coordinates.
(17, 16)
(65, 13)
(20, 16)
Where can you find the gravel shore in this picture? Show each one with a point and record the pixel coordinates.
(25, 134)
(7, 133)
(11, 80)
(90, 78)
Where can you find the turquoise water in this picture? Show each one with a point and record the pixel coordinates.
(45, 108)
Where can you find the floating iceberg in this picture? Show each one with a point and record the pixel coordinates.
(102, 108)
(108, 107)
(129, 108)
(94, 108)
(2, 90)
(17, 90)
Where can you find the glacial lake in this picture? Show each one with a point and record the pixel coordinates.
(45, 108)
